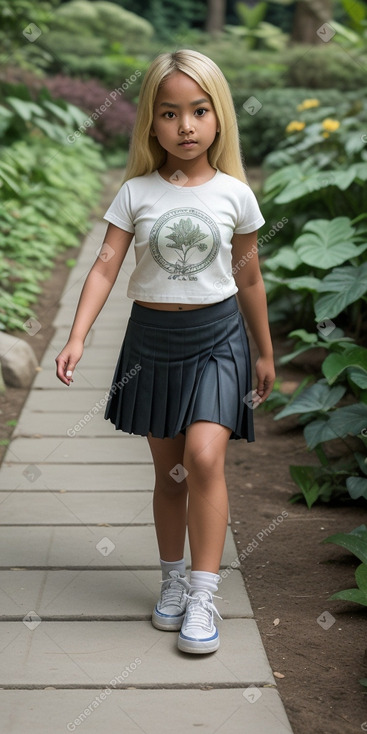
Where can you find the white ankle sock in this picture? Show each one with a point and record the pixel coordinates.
(168, 566)
(204, 580)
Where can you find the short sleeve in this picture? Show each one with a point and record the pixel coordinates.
(250, 218)
(119, 211)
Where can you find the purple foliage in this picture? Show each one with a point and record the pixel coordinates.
(116, 119)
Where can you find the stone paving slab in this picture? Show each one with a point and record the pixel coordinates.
(97, 337)
(59, 401)
(102, 594)
(84, 377)
(70, 547)
(80, 653)
(127, 478)
(133, 711)
(49, 424)
(59, 508)
(92, 358)
(69, 651)
(107, 318)
(72, 508)
(79, 450)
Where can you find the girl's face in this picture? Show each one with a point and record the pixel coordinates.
(183, 112)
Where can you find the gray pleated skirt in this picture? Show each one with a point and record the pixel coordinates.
(178, 367)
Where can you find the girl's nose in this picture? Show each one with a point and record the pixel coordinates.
(186, 126)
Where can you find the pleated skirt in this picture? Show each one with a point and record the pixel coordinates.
(178, 367)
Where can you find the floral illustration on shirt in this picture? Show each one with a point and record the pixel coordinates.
(192, 245)
(185, 236)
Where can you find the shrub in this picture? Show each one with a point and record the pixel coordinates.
(113, 125)
(102, 19)
(264, 131)
(47, 190)
(317, 272)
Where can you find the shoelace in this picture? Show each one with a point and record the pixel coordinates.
(173, 590)
(199, 612)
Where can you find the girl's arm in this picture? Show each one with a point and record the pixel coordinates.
(252, 299)
(95, 292)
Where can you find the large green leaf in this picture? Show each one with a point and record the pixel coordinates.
(355, 595)
(25, 110)
(317, 398)
(286, 258)
(303, 282)
(348, 420)
(355, 542)
(342, 287)
(357, 487)
(358, 377)
(361, 577)
(317, 432)
(285, 175)
(297, 189)
(59, 111)
(345, 421)
(324, 243)
(309, 180)
(362, 461)
(335, 364)
(304, 477)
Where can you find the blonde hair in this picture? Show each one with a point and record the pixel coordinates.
(145, 152)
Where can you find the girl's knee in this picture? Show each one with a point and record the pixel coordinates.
(203, 462)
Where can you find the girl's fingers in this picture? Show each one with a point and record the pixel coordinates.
(64, 370)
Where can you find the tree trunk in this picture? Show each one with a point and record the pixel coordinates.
(216, 13)
(309, 16)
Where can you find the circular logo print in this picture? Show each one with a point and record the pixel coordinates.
(184, 241)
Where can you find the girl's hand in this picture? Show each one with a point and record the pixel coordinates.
(67, 360)
(265, 377)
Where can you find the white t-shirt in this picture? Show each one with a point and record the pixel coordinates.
(183, 235)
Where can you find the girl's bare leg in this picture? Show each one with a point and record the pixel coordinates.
(170, 496)
(204, 457)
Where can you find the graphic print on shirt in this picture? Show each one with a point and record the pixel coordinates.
(183, 242)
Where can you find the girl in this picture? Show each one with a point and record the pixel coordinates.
(183, 377)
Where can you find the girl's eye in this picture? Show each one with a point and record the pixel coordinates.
(201, 110)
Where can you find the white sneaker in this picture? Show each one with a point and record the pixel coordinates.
(198, 632)
(169, 611)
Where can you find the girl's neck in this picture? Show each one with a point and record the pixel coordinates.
(197, 171)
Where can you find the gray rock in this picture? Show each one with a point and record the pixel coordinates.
(18, 361)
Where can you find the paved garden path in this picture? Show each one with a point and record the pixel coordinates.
(79, 571)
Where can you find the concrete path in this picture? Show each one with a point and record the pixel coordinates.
(79, 571)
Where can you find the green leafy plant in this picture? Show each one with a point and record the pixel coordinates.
(255, 31)
(48, 187)
(356, 542)
(316, 271)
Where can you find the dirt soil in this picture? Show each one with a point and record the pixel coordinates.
(289, 573)
(318, 646)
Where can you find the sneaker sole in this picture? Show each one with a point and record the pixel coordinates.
(198, 647)
(167, 624)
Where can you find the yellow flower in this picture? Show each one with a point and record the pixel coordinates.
(326, 135)
(330, 125)
(295, 126)
(307, 104)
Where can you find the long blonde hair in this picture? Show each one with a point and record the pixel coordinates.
(145, 152)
